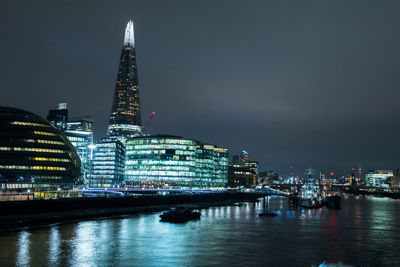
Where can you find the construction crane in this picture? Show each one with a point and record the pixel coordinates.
(146, 127)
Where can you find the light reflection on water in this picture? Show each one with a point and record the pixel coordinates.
(365, 230)
(23, 256)
(54, 245)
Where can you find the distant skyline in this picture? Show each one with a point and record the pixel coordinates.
(301, 83)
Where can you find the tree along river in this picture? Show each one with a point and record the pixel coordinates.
(365, 231)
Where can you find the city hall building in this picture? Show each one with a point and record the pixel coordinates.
(34, 154)
(172, 161)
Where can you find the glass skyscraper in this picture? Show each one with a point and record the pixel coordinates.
(125, 119)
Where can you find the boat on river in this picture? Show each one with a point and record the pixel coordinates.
(310, 194)
(310, 197)
(180, 215)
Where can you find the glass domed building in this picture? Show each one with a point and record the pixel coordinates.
(34, 154)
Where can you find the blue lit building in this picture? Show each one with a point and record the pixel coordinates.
(108, 164)
(211, 166)
(79, 132)
(172, 161)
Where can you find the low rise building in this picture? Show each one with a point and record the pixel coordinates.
(211, 166)
(268, 177)
(243, 174)
(173, 161)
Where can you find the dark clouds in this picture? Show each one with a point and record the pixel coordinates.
(294, 82)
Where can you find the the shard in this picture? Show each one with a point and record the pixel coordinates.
(125, 119)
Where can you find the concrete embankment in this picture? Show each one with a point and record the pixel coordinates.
(32, 213)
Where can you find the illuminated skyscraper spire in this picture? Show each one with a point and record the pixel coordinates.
(129, 39)
(125, 119)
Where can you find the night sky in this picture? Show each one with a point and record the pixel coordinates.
(302, 83)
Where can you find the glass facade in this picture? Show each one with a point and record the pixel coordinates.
(79, 133)
(172, 161)
(108, 164)
(34, 154)
(125, 119)
(211, 166)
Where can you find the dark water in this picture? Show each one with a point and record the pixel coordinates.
(365, 231)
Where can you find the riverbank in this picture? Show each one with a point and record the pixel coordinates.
(15, 215)
(366, 192)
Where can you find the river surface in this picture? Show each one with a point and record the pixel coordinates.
(366, 231)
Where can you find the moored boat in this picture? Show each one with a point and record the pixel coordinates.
(310, 194)
(333, 201)
(180, 215)
(310, 203)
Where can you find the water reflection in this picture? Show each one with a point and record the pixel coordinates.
(54, 245)
(364, 231)
(23, 255)
(85, 243)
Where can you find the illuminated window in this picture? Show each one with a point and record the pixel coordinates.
(29, 124)
(32, 149)
(44, 133)
(49, 159)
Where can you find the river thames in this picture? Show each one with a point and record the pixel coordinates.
(366, 231)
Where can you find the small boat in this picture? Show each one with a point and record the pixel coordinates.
(180, 215)
(267, 214)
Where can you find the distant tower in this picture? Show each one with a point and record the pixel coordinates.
(59, 117)
(244, 156)
(125, 113)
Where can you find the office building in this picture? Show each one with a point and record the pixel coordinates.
(108, 164)
(125, 118)
(396, 178)
(378, 178)
(83, 124)
(268, 177)
(59, 117)
(173, 161)
(243, 173)
(80, 134)
(34, 154)
(211, 166)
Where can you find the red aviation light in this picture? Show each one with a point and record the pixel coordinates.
(153, 113)
(332, 173)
